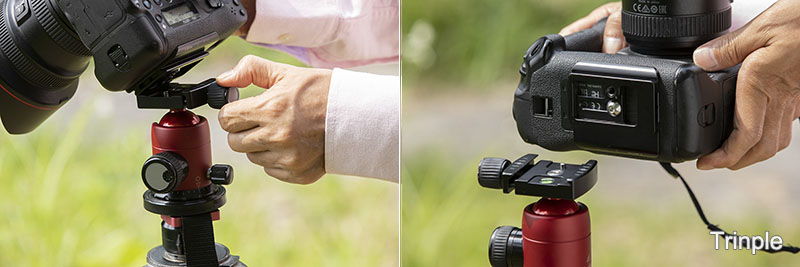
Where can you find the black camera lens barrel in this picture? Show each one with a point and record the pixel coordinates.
(673, 27)
(41, 59)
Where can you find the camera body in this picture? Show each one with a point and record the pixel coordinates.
(648, 101)
(137, 44)
(572, 97)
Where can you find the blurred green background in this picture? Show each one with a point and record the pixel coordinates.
(460, 68)
(71, 192)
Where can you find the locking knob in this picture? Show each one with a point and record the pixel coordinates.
(163, 172)
(490, 172)
(218, 95)
(505, 247)
(221, 174)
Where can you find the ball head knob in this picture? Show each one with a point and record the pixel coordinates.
(221, 174)
(163, 172)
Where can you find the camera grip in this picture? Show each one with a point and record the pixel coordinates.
(589, 40)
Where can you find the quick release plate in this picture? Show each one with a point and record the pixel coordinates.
(543, 179)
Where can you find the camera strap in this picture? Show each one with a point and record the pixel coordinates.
(198, 238)
(672, 171)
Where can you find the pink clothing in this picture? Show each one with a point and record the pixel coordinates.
(745, 10)
(327, 34)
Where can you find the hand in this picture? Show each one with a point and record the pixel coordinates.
(768, 87)
(613, 39)
(283, 129)
(250, 6)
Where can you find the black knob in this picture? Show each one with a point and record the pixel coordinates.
(163, 172)
(218, 96)
(220, 174)
(505, 247)
(490, 172)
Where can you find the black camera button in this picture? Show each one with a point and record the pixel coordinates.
(706, 115)
(159, 18)
(21, 11)
(236, 3)
(119, 57)
(215, 3)
(157, 2)
(147, 4)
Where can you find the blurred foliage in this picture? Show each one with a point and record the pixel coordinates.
(473, 43)
(72, 194)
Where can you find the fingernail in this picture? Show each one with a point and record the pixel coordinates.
(225, 76)
(705, 58)
(611, 45)
(704, 164)
(704, 167)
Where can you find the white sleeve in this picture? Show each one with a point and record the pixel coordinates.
(744, 11)
(362, 126)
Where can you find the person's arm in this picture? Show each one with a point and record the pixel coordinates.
(339, 33)
(314, 121)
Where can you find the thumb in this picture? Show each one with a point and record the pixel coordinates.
(253, 70)
(728, 50)
(613, 38)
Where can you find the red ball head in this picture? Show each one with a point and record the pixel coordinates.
(187, 134)
(556, 233)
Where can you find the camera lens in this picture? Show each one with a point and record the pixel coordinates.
(41, 58)
(673, 27)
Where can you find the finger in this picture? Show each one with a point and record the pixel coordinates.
(770, 139)
(593, 17)
(265, 158)
(613, 39)
(728, 50)
(308, 177)
(748, 124)
(253, 70)
(251, 140)
(240, 115)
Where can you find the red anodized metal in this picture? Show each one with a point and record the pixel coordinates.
(556, 233)
(187, 134)
(177, 222)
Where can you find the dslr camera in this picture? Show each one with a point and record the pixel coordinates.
(138, 46)
(648, 101)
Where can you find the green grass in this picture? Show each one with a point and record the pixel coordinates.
(71, 195)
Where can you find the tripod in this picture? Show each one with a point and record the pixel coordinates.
(183, 187)
(555, 229)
